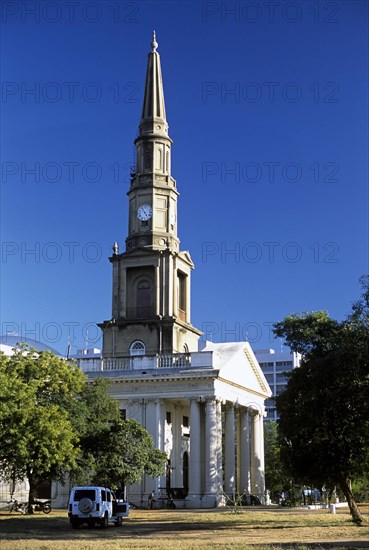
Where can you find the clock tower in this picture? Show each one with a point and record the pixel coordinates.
(151, 279)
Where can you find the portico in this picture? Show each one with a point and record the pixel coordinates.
(205, 410)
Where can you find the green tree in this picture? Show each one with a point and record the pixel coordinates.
(276, 478)
(324, 412)
(53, 422)
(115, 452)
(38, 393)
(124, 452)
(95, 411)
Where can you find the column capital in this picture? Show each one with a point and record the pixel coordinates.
(134, 401)
(253, 412)
(207, 399)
(244, 413)
(197, 398)
(210, 404)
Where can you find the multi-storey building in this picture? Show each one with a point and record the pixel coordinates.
(275, 366)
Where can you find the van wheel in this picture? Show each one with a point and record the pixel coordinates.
(119, 522)
(105, 521)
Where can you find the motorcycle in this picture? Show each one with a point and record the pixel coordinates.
(38, 506)
(17, 506)
(42, 506)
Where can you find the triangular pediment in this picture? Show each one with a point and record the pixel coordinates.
(237, 363)
(185, 256)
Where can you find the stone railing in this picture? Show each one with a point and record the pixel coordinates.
(202, 359)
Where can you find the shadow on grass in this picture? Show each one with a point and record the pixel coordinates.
(58, 528)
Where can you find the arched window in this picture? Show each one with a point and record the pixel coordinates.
(137, 348)
(143, 299)
(182, 295)
(147, 158)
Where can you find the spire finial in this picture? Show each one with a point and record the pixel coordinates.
(154, 43)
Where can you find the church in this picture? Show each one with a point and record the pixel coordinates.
(203, 405)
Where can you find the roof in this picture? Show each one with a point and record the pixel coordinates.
(237, 363)
(9, 341)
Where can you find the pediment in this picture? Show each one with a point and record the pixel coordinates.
(237, 364)
(185, 256)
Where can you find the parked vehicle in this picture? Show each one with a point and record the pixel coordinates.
(38, 506)
(17, 506)
(42, 506)
(95, 506)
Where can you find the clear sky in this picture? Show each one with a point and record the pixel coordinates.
(267, 107)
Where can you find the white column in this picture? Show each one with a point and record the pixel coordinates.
(170, 279)
(195, 450)
(257, 458)
(122, 292)
(176, 464)
(238, 449)
(158, 301)
(174, 289)
(115, 298)
(262, 465)
(159, 440)
(219, 445)
(229, 450)
(188, 297)
(244, 452)
(211, 438)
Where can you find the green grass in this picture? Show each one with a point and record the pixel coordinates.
(189, 529)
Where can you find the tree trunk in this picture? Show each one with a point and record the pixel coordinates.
(354, 510)
(32, 487)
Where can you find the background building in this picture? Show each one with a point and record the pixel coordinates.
(9, 342)
(275, 365)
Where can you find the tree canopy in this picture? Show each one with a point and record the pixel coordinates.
(324, 412)
(38, 395)
(53, 422)
(115, 451)
(276, 479)
(124, 453)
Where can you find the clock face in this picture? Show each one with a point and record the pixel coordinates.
(172, 217)
(144, 212)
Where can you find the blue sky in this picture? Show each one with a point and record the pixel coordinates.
(267, 107)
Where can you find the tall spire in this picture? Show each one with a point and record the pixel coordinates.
(153, 118)
(153, 190)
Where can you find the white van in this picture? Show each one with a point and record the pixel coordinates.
(95, 506)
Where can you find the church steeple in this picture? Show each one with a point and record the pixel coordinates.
(153, 194)
(151, 279)
(153, 110)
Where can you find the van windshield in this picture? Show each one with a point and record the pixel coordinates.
(84, 493)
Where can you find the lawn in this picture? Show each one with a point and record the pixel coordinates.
(190, 529)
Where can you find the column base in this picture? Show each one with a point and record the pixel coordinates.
(210, 500)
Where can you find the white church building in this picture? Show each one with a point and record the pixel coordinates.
(204, 408)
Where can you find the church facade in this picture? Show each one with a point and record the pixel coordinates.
(203, 407)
